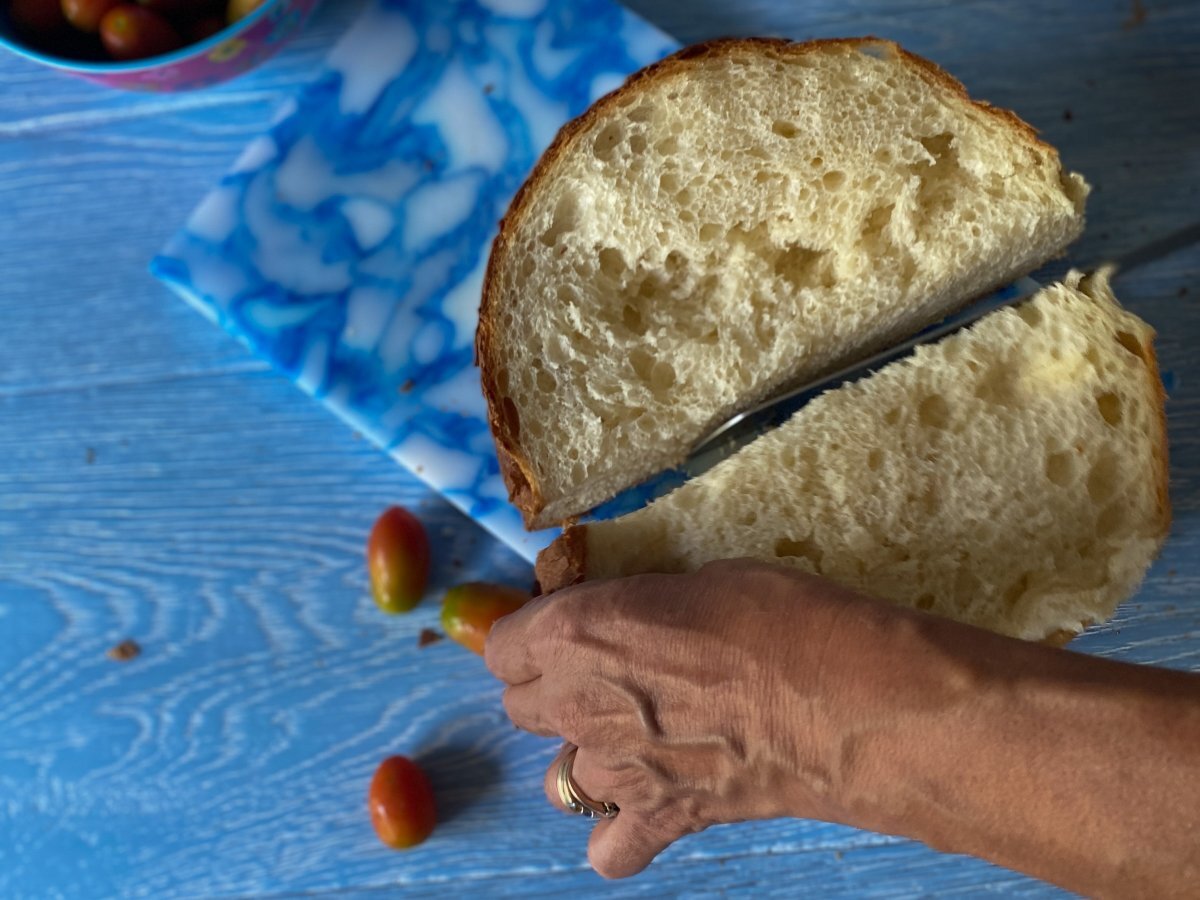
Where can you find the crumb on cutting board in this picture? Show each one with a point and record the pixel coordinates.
(125, 651)
(428, 636)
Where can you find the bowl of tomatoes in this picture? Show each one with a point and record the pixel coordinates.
(150, 45)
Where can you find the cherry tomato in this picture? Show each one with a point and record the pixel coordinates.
(470, 610)
(86, 14)
(401, 803)
(182, 9)
(398, 560)
(239, 9)
(37, 17)
(131, 32)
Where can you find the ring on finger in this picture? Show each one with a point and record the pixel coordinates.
(574, 799)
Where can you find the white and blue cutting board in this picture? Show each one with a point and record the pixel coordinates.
(347, 245)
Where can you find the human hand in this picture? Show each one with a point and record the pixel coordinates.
(748, 691)
(693, 699)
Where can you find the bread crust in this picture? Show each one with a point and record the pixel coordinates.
(523, 487)
(1162, 476)
(564, 562)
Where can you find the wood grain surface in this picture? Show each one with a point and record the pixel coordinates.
(157, 483)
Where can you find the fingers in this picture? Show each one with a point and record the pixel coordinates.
(625, 845)
(509, 651)
(519, 644)
(618, 847)
(528, 708)
(587, 775)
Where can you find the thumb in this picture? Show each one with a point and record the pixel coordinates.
(625, 845)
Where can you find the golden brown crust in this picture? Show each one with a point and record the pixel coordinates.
(523, 487)
(518, 478)
(1162, 481)
(564, 562)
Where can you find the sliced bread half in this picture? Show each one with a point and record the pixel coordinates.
(1012, 476)
(740, 217)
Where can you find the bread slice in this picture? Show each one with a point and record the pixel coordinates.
(1012, 476)
(743, 216)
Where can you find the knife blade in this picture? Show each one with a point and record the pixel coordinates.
(745, 426)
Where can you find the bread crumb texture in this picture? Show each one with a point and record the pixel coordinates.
(1012, 476)
(744, 216)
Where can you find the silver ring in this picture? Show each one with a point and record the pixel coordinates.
(576, 800)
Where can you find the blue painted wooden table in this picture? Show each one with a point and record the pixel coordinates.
(158, 483)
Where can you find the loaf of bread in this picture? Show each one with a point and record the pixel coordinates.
(741, 217)
(1012, 476)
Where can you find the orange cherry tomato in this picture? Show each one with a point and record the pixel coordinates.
(131, 32)
(470, 610)
(398, 560)
(239, 9)
(401, 803)
(181, 9)
(86, 14)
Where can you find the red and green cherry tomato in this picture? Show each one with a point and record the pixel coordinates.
(37, 17)
(398, 560)
(86, 14)
(131, 32)
(470, 610)
(239, 9)
(401, 803)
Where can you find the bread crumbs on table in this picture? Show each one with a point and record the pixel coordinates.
(1068, 115)
(89, 455)
(125, 651)
(407, 386)
(428, 636)
(1183, 292)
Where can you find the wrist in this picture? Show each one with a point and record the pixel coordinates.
(882, 685)
(831, 691)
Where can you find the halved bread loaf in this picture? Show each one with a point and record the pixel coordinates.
(743, 216)
(1012, 476)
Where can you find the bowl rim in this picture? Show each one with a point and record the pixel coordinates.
(141, 65)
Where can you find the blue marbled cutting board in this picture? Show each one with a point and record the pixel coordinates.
(347, 245)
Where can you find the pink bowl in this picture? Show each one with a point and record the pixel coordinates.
(228, 53)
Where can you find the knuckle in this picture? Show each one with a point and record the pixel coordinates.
(573, 720)
(508, 700)
(491, 651)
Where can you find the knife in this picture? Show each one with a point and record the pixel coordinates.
(743, 427)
